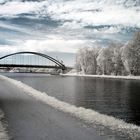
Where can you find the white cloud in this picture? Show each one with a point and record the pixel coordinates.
(85, 12)
(13, 8)
(74, 14)
(108, 30)
(52, 45)
(110, 15)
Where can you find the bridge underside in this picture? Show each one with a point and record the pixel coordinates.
(29, 66)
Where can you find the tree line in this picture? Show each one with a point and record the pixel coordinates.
(116, 59)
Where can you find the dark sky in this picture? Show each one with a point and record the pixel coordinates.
(60, 27)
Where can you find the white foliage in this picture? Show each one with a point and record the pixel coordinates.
(86, 60)
(116, 59)
(131, 55)
(3, 131)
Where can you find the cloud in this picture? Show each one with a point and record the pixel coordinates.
(105, 17)
(109, 15)
(83, 13)
(52, 45)
(11, 27)
(15, 7)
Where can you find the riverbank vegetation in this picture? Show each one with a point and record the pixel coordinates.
(116, 59)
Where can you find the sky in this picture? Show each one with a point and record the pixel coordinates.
(60, 27)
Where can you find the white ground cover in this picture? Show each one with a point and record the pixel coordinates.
(3, 131)
(89, 116)
(129, 77)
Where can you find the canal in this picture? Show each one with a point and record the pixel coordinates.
(115, 97)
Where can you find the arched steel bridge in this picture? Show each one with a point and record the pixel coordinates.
(58, 64)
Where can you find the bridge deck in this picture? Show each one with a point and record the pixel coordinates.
(30, 66)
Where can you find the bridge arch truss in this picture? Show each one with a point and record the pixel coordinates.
(58, 64)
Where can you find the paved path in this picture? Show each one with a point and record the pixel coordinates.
(29, 119)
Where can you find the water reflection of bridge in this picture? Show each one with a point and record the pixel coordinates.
(30, 60)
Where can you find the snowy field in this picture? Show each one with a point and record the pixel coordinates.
(89, 116)
(3, 132)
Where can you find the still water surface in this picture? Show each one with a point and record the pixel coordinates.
(119, 98)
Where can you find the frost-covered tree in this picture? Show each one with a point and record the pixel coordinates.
(86, 60)
(92, 56)
(81, 60)
(78, 61)
(118, 67)
(104, 61)
(115, 59)
(131, 55)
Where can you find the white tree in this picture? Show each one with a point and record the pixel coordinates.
(81, 60)
(131, 55)
(92, 60)
(104, 61)
(113, 59)
(86, 60)
(118, 67)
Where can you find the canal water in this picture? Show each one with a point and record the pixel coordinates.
(115, 97)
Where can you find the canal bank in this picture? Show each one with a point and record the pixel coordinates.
(91, 117)
(129, 77)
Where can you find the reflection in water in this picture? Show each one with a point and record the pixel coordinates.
(119, 98)
(107, 96)
(134, 101)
